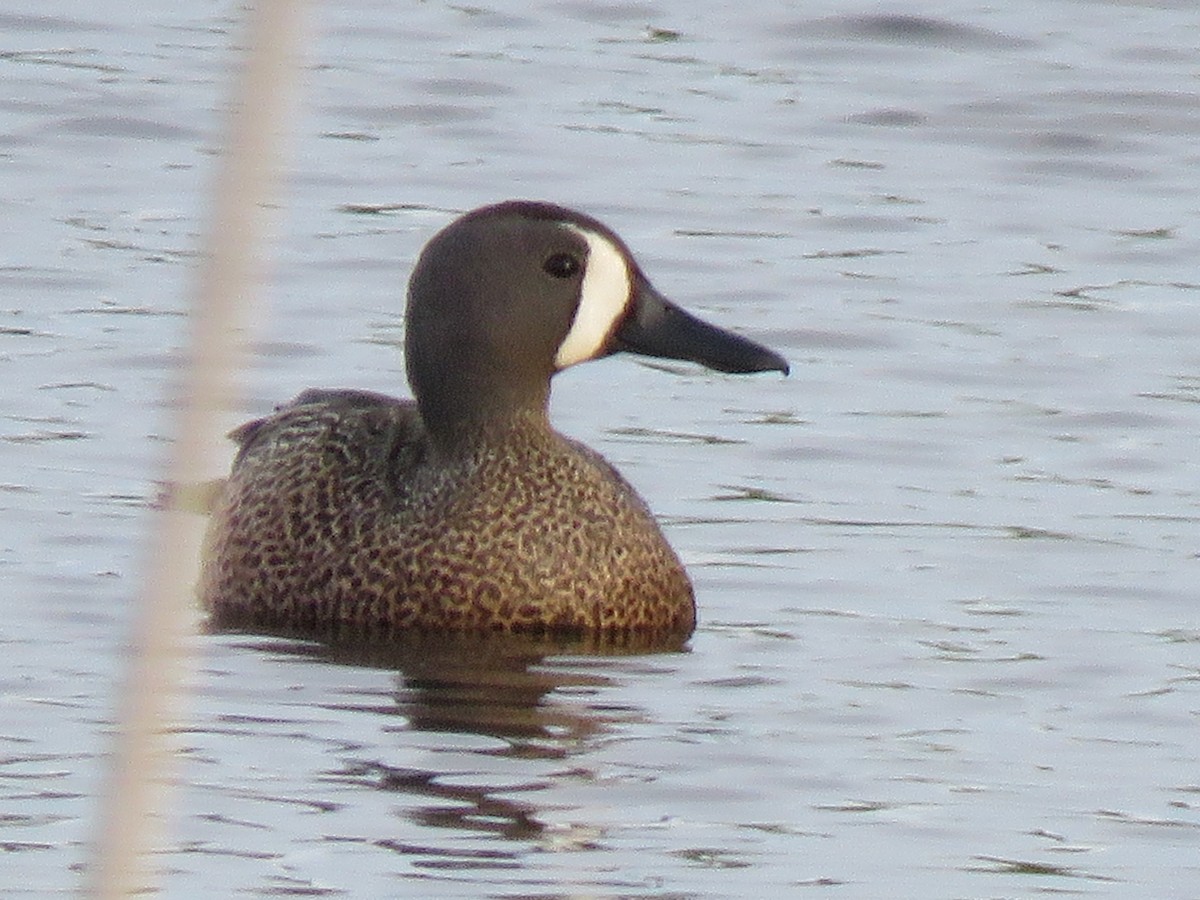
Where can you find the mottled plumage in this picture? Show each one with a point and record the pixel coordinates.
(348, 511)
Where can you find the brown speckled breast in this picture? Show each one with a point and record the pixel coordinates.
(340, 518)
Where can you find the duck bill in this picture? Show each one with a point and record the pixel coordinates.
(654, 326)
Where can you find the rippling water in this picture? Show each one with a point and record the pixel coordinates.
(947, 571)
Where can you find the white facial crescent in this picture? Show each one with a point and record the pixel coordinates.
(603, 298)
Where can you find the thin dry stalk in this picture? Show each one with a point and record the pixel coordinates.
(133, 810)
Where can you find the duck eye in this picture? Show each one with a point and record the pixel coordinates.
(562, 265)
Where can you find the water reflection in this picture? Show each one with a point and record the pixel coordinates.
(540, 702)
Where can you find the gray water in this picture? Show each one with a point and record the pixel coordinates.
(947, 571)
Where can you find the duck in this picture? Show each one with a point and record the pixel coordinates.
(462, 510)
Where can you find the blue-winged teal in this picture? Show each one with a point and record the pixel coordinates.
(349, 511)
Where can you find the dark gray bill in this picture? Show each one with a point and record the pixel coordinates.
(657, 327)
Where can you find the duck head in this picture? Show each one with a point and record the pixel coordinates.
(507, 295)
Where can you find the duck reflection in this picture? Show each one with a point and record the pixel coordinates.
(541, 699)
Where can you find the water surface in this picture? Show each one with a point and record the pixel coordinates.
(949, 640)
